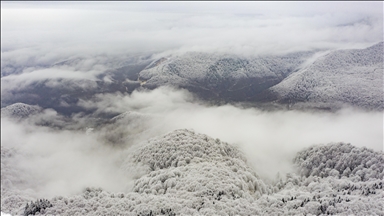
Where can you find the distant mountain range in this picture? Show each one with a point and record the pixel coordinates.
(320, 80)
(226, 77)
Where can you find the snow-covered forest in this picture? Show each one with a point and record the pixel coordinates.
(186, 173)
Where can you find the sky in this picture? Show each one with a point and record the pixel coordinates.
(61, 29)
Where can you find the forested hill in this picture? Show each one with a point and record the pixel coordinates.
(344, 76)
(308, 79)
(187, 173)
(226, 77)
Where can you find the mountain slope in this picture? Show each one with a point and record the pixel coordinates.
(353, 76)
(222, 77)
(350, 76)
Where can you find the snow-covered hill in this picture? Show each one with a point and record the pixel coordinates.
(352, 76)
(300, 79)
(308, 79)
(20, 110)
(186, 173)
(221, 76)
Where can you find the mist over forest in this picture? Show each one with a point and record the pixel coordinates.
(192, 108)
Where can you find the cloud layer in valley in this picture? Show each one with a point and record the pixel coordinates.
(50, 162)
(63, 162)
(267, 137)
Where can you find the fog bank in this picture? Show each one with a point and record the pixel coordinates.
(65, 161)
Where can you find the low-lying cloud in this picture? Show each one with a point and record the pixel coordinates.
(51, 163)
(268, 138)
(52, 75)
(65, 161)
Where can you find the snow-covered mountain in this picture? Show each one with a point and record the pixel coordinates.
(20, 110)
(353, 76)
(326, 78)
(220, 76)
(186, 173)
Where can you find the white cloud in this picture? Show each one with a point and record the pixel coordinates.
(52, 75)
(58, 30)
(53, 163)
(268, 138)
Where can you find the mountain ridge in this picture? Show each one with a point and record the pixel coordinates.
(301, 80)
